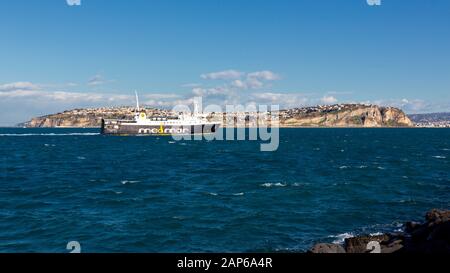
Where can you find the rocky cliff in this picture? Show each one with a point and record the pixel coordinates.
(345, 115)
(339, 115)
(86, 117)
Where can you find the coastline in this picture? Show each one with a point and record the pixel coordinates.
(281, 127)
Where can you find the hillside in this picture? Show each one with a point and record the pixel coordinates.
(339, 115)
(431, 119)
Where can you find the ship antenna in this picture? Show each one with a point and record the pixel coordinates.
(137, 101)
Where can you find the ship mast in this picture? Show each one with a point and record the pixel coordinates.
(137, 101)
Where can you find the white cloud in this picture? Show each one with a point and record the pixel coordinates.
(413, 106)
(73, 97)
(285, 100)
(212, 92)
(96, 80)
(253, 83)
(161, 96)
(410, 105)
(73, 2)
(222, 75)
(264, 75)
(328, 100)
(19, 86)
(191, 85)
(239, 84)
(240, 80)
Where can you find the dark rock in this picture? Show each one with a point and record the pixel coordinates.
(420, 233)
(359, 244)
(441, 232)
(392, 247)
(327, 248)
(437, 215)
(432, 236)
(411, 226)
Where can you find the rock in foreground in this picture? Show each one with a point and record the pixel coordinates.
(432, 236)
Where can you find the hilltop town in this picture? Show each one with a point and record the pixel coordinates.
(338, 115)
(432, 120)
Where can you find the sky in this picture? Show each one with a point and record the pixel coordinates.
(63, 54)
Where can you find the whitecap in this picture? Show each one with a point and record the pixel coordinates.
(412, 201)
(171, 142)
(362, 167)
(439, 156)
(238, 194)
(344, 167)
(81, 157)
(212, 193)
(340, 238)
(296, 184)
(124, 182)
(268, 185)
(381, 168)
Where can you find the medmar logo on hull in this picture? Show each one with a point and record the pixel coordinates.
(199, 124)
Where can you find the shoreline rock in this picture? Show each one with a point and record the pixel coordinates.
(431, 237)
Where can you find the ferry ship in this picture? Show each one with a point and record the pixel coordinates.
(183, 124)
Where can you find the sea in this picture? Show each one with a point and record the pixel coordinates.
(155, 194)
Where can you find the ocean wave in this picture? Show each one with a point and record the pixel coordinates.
(401, 201)
(268, 185)
(439, 156)
(238, 194)
(297, 184)
(51, 134)
(124, 182)
(340, 238)
(344, 167)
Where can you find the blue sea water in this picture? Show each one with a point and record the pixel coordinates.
(153, 194)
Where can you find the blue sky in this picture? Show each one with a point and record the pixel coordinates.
(301, 52)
